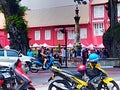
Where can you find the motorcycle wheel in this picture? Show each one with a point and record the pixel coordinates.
(59, 85)
(111, 86)
(34, 68)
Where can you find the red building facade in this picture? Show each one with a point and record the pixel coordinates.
(45, 25)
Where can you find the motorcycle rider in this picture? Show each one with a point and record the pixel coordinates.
(42, 58)
(93, 62)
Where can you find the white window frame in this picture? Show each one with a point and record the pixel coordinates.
(8, 35)
(70, 34)
(37, 35)
(98, 11)
(83, 33)
(60, 35)
(47, 34)
(98, 29)
(118, 9)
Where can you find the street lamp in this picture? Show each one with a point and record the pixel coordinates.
(77, 43)
(65, 34)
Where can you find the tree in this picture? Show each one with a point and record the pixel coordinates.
(111, 39)
(15, 24)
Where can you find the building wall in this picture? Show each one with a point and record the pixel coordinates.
(86, 21)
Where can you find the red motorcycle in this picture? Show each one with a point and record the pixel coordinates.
(23, 82)
(14, 78)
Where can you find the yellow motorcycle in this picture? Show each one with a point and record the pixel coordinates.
(99, 78)
(68, 80)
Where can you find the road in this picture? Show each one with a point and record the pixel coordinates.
(40, 79)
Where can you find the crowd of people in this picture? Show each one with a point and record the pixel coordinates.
(69, 53)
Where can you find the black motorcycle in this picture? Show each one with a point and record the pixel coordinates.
(7, 78)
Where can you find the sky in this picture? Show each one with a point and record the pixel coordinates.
(39, 4)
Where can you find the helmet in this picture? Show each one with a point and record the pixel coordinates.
(94, 58)
(81, 68)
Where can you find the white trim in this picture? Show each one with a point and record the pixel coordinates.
(97, 20)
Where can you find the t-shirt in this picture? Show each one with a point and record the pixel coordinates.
(30, 53)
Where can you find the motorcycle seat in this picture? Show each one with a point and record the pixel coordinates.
(1, 76)
(74, 73)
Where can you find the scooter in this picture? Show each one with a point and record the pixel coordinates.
(23, 82)
(36, 65)
(7, 79)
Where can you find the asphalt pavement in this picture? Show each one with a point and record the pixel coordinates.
(113, 72)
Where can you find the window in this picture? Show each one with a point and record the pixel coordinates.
(12, 53)
(70, 34)
(99, 11)
(37, 35)
(83, 33)
(118, 7)
(8, 36)
(59, 35)
(98, 29)
(1, 52)
(47, 34)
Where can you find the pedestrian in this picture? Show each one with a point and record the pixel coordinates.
(85, 56)
(30, 52)
(63, 54)
(73, 54)
(1, 46)
(78, 55)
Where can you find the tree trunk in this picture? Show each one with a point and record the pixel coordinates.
(18, 36)
(112, 12)
(108, 38)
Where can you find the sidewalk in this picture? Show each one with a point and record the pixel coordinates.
(71, 64)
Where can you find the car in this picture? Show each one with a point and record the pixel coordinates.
(9, 56)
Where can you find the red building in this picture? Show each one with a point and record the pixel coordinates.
(45, 25)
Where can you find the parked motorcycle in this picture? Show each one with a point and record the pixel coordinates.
(36, 65)
(68, 80)
(7, 79)
(99, 78)
(23, 82)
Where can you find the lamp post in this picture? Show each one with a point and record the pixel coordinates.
(77, 43)
(65, 35)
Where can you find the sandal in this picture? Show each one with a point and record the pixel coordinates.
(44, 68)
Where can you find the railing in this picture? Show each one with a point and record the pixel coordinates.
(115, 62)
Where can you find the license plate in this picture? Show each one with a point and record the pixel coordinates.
(6, 75)
(8, 85)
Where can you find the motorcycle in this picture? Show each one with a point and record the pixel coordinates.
(99, 77)
(68, 80)
(23, 82)
(36, 64)
(7, 79)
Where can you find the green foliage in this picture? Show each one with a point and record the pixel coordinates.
(59, 47)
(114, 32)
(23, 9)
(18, 21)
